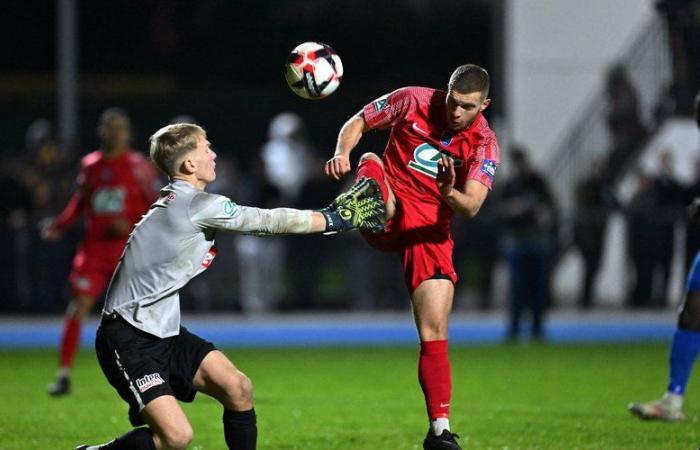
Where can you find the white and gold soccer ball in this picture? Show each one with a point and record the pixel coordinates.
(313, 70)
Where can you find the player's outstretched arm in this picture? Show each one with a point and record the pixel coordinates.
(364, 210)
(349, 136)
(467, 202)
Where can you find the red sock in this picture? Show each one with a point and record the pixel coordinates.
(69, 342)
(372, 169)
(435, 378)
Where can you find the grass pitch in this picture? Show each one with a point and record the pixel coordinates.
(505, 397)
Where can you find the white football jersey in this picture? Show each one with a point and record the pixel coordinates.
(173, 243)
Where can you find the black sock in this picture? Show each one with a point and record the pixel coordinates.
(136, 439)
(240, 429)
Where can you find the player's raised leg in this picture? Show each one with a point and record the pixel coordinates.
(79, 307)
(432, 303)
(371, 167)
(219, 378)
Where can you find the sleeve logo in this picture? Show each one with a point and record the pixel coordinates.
(489, 167)
(229, 208)
(381, 104)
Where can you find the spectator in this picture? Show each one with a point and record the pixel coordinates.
(479, 253)
(692, 233)
(15, 208)
(46, 172)
(531, 224)
(651, 221)
(304, 272)
(286, 155)
(683, 19)
(593, 202)
(260, 261)
(623, 119)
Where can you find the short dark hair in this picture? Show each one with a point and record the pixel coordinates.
(469, 78)
(109, 114)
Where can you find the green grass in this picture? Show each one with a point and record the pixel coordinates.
(514, 397)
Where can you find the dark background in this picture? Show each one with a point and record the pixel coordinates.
(221, 61)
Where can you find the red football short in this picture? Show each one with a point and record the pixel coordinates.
(425, 249)
(92, 269)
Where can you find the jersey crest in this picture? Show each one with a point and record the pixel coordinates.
(426, 157)
(108, 200)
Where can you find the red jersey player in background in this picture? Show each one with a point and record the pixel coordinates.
(441, 158)
(116, 186)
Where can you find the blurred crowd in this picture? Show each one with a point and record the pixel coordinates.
(252, 274)
(520, 228)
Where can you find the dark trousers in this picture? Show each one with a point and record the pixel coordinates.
(529, 264)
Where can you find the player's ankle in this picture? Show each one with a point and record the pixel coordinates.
(673, 400)
(437, 426)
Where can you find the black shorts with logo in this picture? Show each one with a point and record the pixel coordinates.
(143, 367)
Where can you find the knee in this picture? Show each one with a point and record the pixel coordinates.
(433, 331)
(80, 307)
(689, 320)
(240, 392)
(177, 438)
(370, 157)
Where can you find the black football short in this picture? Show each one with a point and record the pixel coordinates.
(143, 367)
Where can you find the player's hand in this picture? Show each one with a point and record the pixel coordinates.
(337, 167)
(48, 230)
(361, 207)
(120, 227)
(446, 175)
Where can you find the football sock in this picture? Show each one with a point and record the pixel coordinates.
(369, 168)
(69, 342)
(136, 439)
(240, 429)
(684, 351)
(435, 380)
(440, 425)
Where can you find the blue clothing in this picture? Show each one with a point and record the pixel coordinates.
(693, 283)
(686, 344)
(684, 352)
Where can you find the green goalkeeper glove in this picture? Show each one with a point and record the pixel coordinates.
(361, 207)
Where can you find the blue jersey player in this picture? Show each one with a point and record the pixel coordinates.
(686, 340)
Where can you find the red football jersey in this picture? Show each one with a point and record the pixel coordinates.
(419, 136)
(110, 190)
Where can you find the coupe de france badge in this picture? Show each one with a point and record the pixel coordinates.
(489, 167)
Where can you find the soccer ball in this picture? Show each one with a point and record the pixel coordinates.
(313, 70)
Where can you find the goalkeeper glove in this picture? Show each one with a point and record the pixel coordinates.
(361, 207)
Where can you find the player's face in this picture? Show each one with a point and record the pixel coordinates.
(205, 161)
(116, 133)
(463, 108)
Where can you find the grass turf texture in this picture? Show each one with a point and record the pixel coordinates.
(514, 397)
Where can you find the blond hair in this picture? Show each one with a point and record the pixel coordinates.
(169, 144)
